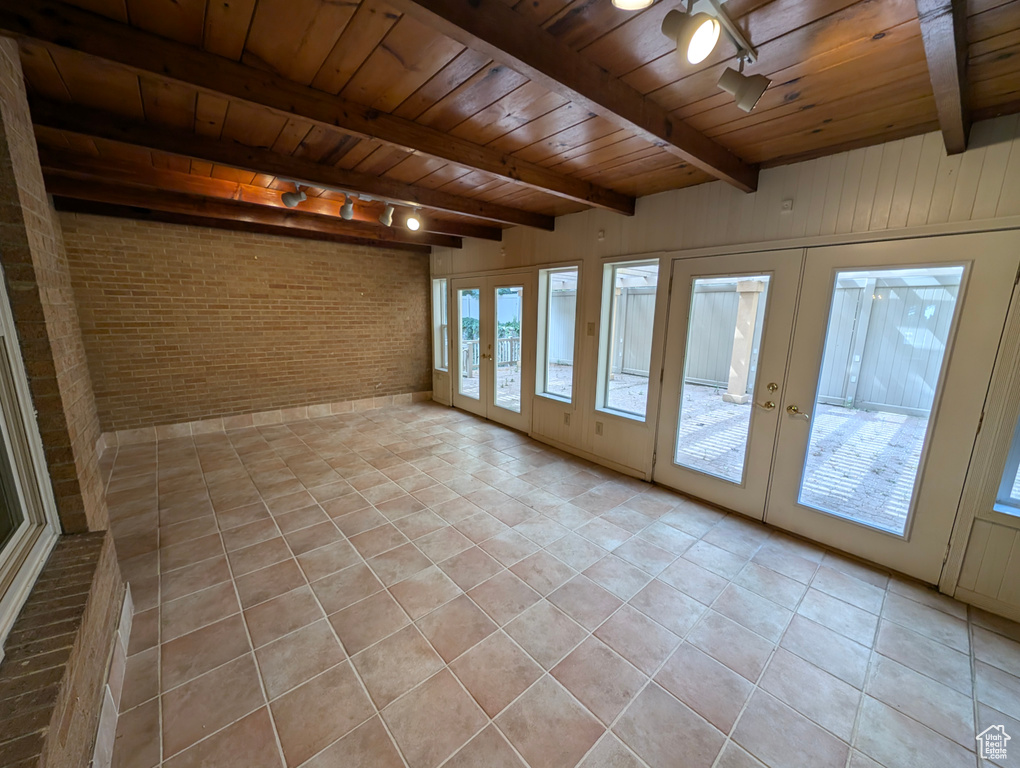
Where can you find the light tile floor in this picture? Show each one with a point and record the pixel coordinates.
(417, 587)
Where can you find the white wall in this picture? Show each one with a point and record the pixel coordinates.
(900, 188)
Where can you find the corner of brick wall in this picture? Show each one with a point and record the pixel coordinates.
(38, 284)
(53, 675)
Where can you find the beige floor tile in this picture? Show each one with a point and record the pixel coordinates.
(638, 639)
(669, 607)
(753, 611)
(393, 666)
(367, 746)
(138, 736)
(368, 622)
(503, 597)
(996, 650)
(186, 614)
(270, 582)
(470, 568)
(997, 689)
(324, 561)
(764, 581)
(424, 592)
(433, 721)
(317, 713)
(542, 572)
(313, 537)
(496, 672)
(443, 544)
(298, 657)
(924, 655)
(931, 622)
(509, 547)
(480, 527)
(715, 559)
(610, 753)
(849, 589)
(837, 655)
(618, 576)
(277, 617)
(600, 679)
(377, 540)
(585, 602)
(665, 733)
(546, 633)
(208, 703)
(248, 743)
(724, 640)
(253, 558)
(548, 727)
(814, 693)
(846, 619)
(455, 627)
(398, 564)
(892, 738)
(194, 654)
(709, 688)
(489, 748)
(691, 579)
(782, 738)
(346, 587)
(603, 533)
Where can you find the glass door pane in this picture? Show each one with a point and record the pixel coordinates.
(724, 334)
(469, 318)
(885, 345)
(509, 311)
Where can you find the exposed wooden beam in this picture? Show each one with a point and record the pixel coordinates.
(944, 31)
(206, 207)
(74, 205)
(57, 24)
(64, 163)
(493, 28)
(104, 125)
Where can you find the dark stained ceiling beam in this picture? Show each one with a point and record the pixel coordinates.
(206, 207)
(104, 125)
(61, 25)
(944, 31)
(77, 165)
(74, 205)
(493, 28)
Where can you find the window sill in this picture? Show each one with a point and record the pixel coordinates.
(555, 398)
(622, 415)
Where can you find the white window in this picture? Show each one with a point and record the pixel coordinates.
(625, 345)
(557, 313)
(440, 321)
(1007, 500)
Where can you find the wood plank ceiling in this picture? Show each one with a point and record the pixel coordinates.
(432, 122)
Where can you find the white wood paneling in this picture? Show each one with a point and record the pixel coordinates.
(898, 189)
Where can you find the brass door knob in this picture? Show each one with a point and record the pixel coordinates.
(767, 406)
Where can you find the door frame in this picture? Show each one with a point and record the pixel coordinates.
(777, 330)
(487, 283)
(922, 549)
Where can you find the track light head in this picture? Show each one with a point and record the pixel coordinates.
(632, 5)
(291, 199)
(695, 35)
(745, 89)
(413, 222)
(347, 209)
(386, 219)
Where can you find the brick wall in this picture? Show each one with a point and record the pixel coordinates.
(53, 675)
(186, 323)
(39, 289)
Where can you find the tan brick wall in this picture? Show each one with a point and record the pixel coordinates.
(38, 285)
(185, 323)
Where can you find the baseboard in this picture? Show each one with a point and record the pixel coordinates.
(990, 604)
(156, 434)
(588, 456)
(106, 732)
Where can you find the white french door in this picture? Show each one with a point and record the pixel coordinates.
(488, 361)
(842, 405)
(727, 340)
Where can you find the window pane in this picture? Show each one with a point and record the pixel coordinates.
(467, 303)
(629, 348)
(723, 337)
(560, 286)
(440, 340)
(509, 310)
(1008, 497)
(881, 367)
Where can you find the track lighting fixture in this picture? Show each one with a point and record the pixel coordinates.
(745, 89)
(632, 5)
(291, 199)
(413, 221)
(386, 219)
(347, 209)
(695, 34)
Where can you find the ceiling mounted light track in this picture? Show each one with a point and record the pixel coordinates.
(695, 34)
(292, 199)
(413, 221)
(745, 89)
(386, 219)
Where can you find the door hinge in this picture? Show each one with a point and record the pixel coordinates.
(981, 422)
(945, 557)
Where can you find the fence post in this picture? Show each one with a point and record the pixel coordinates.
(748, 292)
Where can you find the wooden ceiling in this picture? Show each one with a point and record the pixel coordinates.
(205, 110)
